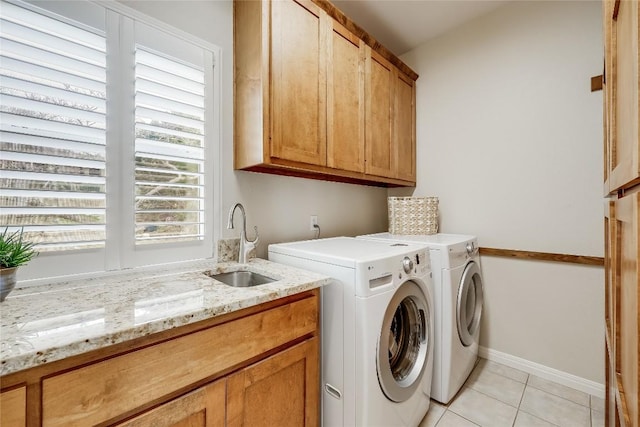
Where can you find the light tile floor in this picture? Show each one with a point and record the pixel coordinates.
(496, 395)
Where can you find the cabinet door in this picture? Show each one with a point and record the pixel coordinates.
(298, 82)
(345, 100)
(279, 391)
(404, 127)
(204, 407)
(13, 407)
(626, 346)
(607, 91)
(610, 309)
(379, 96)
(622, 85)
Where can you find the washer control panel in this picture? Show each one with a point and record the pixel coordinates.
(471, 248)
(398, 268)
(461, 253)
(417, 263)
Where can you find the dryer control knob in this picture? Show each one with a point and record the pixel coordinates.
(407, 265)
(470, 248)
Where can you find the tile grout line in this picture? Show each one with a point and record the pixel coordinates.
(562, 397)
(523, 391)
(494, 398)
(520, 401)
(440, 417)
(527, 384)
(559, 397)
(475, 424)
(490, 397)
(535, 416)
(553, 394)
(508, 377)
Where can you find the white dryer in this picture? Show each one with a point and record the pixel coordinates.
(377, 328)
(458, 292)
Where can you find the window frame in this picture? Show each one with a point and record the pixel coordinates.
(122, 253)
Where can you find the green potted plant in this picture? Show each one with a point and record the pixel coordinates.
(14, 252)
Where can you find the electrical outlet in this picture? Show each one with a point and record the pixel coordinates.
(313, 222)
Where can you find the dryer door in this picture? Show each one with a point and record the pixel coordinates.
(403, 345)
(469, 304)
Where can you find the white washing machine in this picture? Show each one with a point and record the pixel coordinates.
(458, 293)
(377, 328)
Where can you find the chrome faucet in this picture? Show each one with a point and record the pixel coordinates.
(246, 245)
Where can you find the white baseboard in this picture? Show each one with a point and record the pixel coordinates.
(542, 371)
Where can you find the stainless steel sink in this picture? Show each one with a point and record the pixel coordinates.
(241, 279)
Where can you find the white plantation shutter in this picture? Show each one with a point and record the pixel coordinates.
(52, 129)
(169, 148)
(108, 137)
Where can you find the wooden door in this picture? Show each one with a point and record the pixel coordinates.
(282, 390)
(621, 85)
(626, 292)
(13, 407)
(345, 100)
(298, 82)
(204, 407)
(379, 96)
(404, 127)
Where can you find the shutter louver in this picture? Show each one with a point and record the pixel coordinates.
(169, 148)
(52, 130)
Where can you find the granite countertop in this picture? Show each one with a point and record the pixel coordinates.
(49, 323)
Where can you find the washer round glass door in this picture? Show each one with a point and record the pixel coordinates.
(404, 343)
(469, 304)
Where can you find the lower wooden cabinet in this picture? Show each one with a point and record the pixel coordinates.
(281, 390)
(255, 395)
(623, 311)
(254, 367)
(13, 407)
(204, 407)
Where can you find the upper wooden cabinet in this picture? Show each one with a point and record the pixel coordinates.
(312, 98)
(404, 127)
(621, 88)
(379, 93)
(390, 106)
(345, 100)
(298, 82)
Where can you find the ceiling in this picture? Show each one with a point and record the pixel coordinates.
(401, 25)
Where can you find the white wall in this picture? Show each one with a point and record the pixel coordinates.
(509, 138)
(279, 206)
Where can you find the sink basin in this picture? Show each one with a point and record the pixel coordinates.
(241, 279)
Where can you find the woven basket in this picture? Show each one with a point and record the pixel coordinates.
(413, 215)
